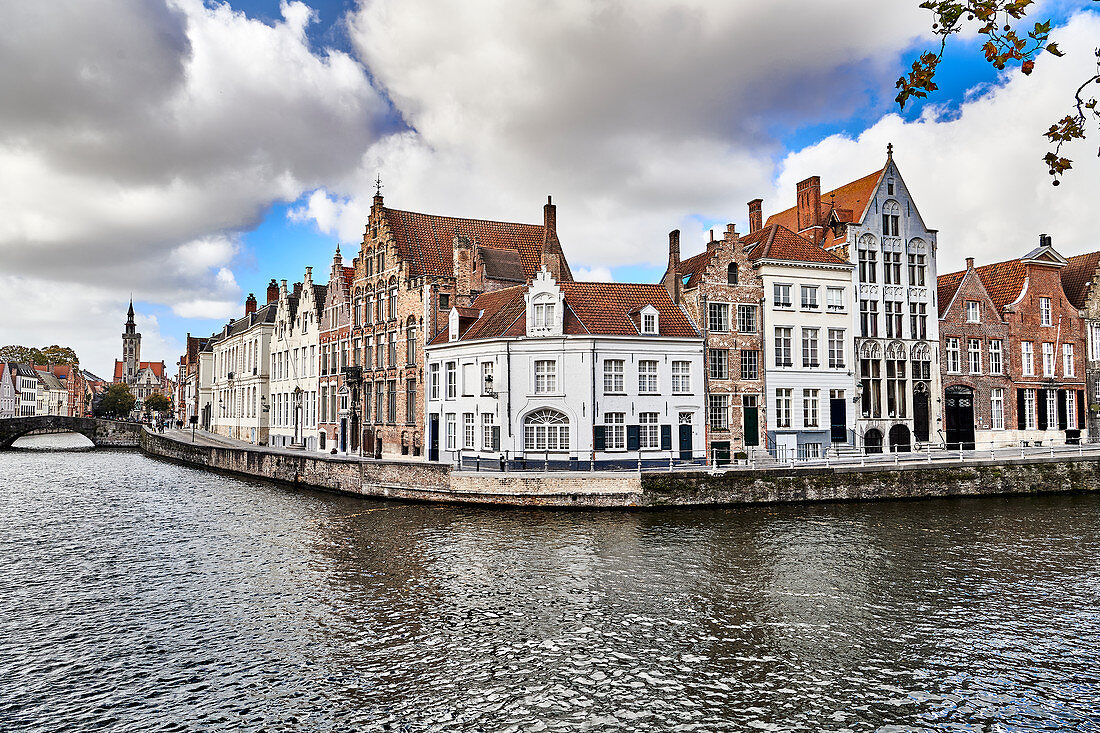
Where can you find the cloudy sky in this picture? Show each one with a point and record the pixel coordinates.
(186, 152)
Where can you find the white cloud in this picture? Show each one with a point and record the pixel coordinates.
(978, 175)
(593, 274)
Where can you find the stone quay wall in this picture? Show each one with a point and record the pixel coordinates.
(422, 481)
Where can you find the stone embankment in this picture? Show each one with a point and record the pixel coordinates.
(420, 481)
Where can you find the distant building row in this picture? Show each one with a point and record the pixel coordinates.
(34, 389)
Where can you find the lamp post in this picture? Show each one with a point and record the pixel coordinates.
(297, 442)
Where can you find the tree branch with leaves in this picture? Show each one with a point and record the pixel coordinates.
(1005, 45)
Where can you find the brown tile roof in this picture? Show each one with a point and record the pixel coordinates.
(425, 240)
(946, 285)
(850, 200)
(502, 264)
(590, 308)
(776, 242)
(1077, 277)
(156, 366)
(693, 267)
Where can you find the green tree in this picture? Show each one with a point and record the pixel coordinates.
(157, 403)
(46, 355)
(118, 401)
(1006, 46)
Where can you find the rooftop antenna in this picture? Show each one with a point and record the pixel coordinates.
(378, 184)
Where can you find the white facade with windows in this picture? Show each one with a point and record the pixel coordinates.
(567, 391)
(808, 353)
(295, 349)
(240, 378)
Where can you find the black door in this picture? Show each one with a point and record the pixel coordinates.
(920, 413)
(959, 417)
(685, 442)
(433, 437)
(343, 435)
(872, 441)
(838, 419)
(900, 439)
(752, 425)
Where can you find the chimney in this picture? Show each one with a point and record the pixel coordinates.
(463, 259)
(970, 263)
(672, 282)
(808, 194)
(551, 258)
(1045, 240)
(272, 291)
(250, 304)
(756, 217)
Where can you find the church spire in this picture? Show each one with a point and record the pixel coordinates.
(130, 312)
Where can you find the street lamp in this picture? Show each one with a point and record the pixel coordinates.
(298, 442)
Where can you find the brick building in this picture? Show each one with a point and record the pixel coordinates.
(722, 294)
(411, 269)
(1080, 280)
(978, 391)
(1044, 350)
(187, 380)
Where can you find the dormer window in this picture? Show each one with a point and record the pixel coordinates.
(543, 316)
(649, 323)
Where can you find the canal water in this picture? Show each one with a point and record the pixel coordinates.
(137, 595)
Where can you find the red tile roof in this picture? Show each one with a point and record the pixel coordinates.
(156, 366)
(425, 240)
(1004, 281)
(693, 267)
(850, 200)
(776, 242)
(1077, 277)
(590, 308)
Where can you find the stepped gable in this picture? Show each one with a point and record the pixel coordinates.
(156, 366)
(692, 269)
(602, 309)
(777, 242)
(425, 241)
(850, 202)
(1077, 277)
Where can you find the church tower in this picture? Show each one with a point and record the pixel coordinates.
(131, 346)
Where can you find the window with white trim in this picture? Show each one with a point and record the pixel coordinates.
(746, 318)
(718, 363)
(782, 346)
(613, 376)
(649, 323)
(1045, 312)
(974, 355)
(546, 376)
(451, 380)
(718, 411)
(449, 423)
(997, 408)
(487, 421)
(810, 347)
(648, 431)
(1048, 359)
(681, 377)
(1030, 419)
(647, 377)
(995, 362)
(834, 299)
(810, 408)
(952, 355)
(433, 381)
(781, 296)
(1027, 359)
(468, 430)
(783, 408)
(750, 364)
(614, 430)
(1071, 410)
(546, 430)
(1052, 409)
(973, 311)
(836, 348)
(718, 317)
(809, 297)
(1068, 368)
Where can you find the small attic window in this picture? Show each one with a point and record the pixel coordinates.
(731, 274)
(890, 187)
(649, 323)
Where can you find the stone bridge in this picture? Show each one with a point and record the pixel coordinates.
(106, 433)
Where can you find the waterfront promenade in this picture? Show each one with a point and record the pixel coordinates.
(1029, 469)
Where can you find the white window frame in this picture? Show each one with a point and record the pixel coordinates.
(545, 378)
(647, 377)
(1069, 369)
(614, 431)
(649, 432)
(469, 431)
(997, 408)
(974, 355)
(681, 377)
(1027, 358)
(613, 376)
(1046, 312)
(996, 362)
(973, 312)
(1048, 359)
(783, 399)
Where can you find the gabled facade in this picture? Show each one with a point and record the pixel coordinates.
(1081, 282)
(567, 375)
(978, 404)
(411, 270)
(722, 292)
(874, 223)
(809, 343)
(187, 381)
(339, 414)
(1044, 346)
(294, 364)
(26, 383)
(8, 394)
(53, 395)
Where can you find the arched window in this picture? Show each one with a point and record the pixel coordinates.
(891, 214)
(731, 274)
(546, 430)
(367, 314)
(392, 307)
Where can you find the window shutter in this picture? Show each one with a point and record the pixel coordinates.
(1042, 405)
(633, 437)
(1080, 409)
(599, 437)
(1021, 421)
(1063, 423)
(496, 438)
(666, 437)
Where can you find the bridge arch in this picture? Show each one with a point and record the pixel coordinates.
(101, 432)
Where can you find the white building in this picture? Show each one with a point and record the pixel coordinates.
(294, 359)
(807, 343)
(26, 384)
(874, 223)
(567, 375)
(241, 403)
(53, 395)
